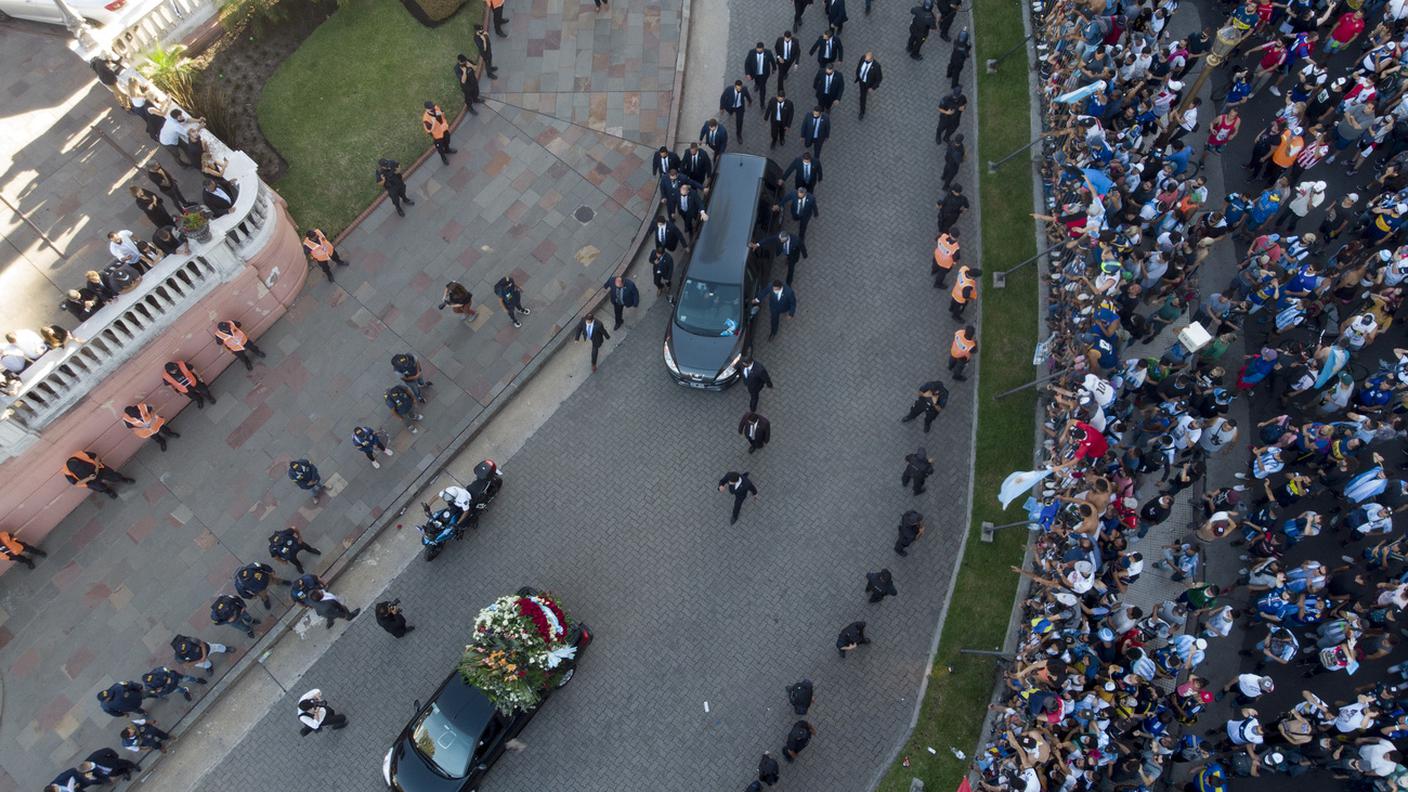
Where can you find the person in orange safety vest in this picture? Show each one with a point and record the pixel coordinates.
(964, 291)
(945, 254)
(84, 469)
(237, 341)
(965, 340)
(14, 548)
(320, 251)
(499, 21)
(438, 127)
(184, 380)
(144, 422)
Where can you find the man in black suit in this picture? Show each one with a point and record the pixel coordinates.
(104, 764)
(690, 205)
(816, 128)
(932, 399)
(217, 199)
(836, 14)
(868, 75)
(595, 332)
(737, 485)
(670, 184)
(713, 135)
(758, 65)
(828, 86)
(755, 378)
(880, 585)
(735, 99)
(781, 300)
(798, 6)
(667, 235)
(827, 48)
(782, 244)
(779, 115)
(808, 172)
(788, 52)
(662, 269)
(696, 164)
(917, 467)
(624, 294)
(756, 430)
(801, 206)
(663, 162)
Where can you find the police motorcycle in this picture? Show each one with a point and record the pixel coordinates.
(462, 508)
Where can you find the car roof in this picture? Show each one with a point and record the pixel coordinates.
(722, 249)
(464, 704)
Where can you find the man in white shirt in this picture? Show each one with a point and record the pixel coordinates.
(315, 714)
(123, 248)
(174, 134)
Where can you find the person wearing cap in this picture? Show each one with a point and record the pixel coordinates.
(880, 585)
(320, 251)
(910, 529)
(388, 176)
(1307, 197)
(231, 610)
(1384, 222)
(468, 78)
(1249, 687)
(438, 127)
(918, 467)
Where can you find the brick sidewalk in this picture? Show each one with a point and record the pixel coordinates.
(124, 576)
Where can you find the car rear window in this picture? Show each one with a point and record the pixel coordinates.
(710, 309)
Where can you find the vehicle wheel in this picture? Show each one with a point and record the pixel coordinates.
(431, 551)
(566, 677)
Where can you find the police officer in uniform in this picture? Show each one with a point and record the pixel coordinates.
(142, 418)
(253, 580)
(161, 682)
(305, 475)
(932, 399)
(438, 127)
(911, 528)
(917, 467)
(184, 380)
(405, 364)
(285, 546)
(511, 297)
(402, 403)
(388, 175)
(84, 469)
(195, 652)
(369, 441)
(230, 610)
(922, 21)
(122, 699)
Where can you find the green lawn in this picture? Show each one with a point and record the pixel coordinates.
(955, 702)
(354, 93)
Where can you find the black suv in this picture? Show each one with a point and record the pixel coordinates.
(711, 328)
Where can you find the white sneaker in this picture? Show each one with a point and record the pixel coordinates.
(414, 430)
(419, 417)
(1242, 476)
(388, 452)
(1275, 91)
(376, 464)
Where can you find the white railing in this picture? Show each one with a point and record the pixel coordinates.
(169, 20)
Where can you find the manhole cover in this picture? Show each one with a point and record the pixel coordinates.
(584, 214)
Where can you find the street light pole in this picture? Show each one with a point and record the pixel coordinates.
(1227, 39)
(77, 25)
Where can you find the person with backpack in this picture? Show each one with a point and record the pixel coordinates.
(511, 296)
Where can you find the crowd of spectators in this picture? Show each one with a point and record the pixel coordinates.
(1147, 336)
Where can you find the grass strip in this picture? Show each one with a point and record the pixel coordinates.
(956, 701)
(353, 93)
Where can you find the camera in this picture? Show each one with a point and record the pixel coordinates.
(441, 306)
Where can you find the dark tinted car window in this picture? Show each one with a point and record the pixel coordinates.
(710, 309)
(442, 743)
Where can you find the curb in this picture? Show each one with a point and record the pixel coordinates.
(463, 435)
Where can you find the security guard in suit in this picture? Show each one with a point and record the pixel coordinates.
(782, 244)
(662, 268)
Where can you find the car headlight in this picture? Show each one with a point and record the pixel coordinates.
(670, 360)
(386, 765)
(729, 369)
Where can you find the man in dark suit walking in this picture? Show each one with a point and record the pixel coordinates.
(592, 330)
(868, 76)
(788, 52)
(713, 135)
(755, 378)
(798, 6)
(695, 164)
(779, 115)
(917, 467)
(781, 244)
(667, 235)
(756, 430)
(808, 172)
(663, 162)
(836, 14)
(827, 48)
(880, 585)
(670, 189)
(740, 487)
(623, 295)
(690, 207)
(828, 86)
(781, 300)
(662, 269)
(816, 128)
(758, 64)
(801, 206)
(735, 99)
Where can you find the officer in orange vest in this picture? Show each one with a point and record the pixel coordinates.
(945, 254)
(965, 340)
(237, 341)
(499, 21)
(14, 548)
(146, 424)
(184, 380)
(438, 127)
(964, 291)
(84, 469)
(320, 251)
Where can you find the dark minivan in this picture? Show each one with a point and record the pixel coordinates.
(711, 328)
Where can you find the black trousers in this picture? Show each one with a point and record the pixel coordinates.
(760, 88)
(617, 308)
(596, 349)
(738, 113)
(293, 558)
(198, 393)
(791, 267)
(956, 365)
(921, 407)
(781, 71)
(774, 319)
(802, 229)
(23, 557)
(778, 132)
(864, 91)
(397, 195)
(243, 355)
(815, 146)
(161, 434)
(499, 22)
(915, 44)
(906, 479)
(945, 22)
(442, 145)
(738, 498)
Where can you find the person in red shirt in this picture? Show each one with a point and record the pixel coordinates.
(1346, 30)
(1273, 55)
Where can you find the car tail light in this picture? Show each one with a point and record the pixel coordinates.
(115, 5)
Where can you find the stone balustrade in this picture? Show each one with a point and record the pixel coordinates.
(168, 21)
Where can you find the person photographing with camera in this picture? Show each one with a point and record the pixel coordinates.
(391, 618)
(459, 299)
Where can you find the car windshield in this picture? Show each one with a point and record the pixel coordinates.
(441, 742)
(710, 309)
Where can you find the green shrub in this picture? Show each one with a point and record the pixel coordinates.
(439, 10)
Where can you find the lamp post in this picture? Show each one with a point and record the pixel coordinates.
(1228, 37)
